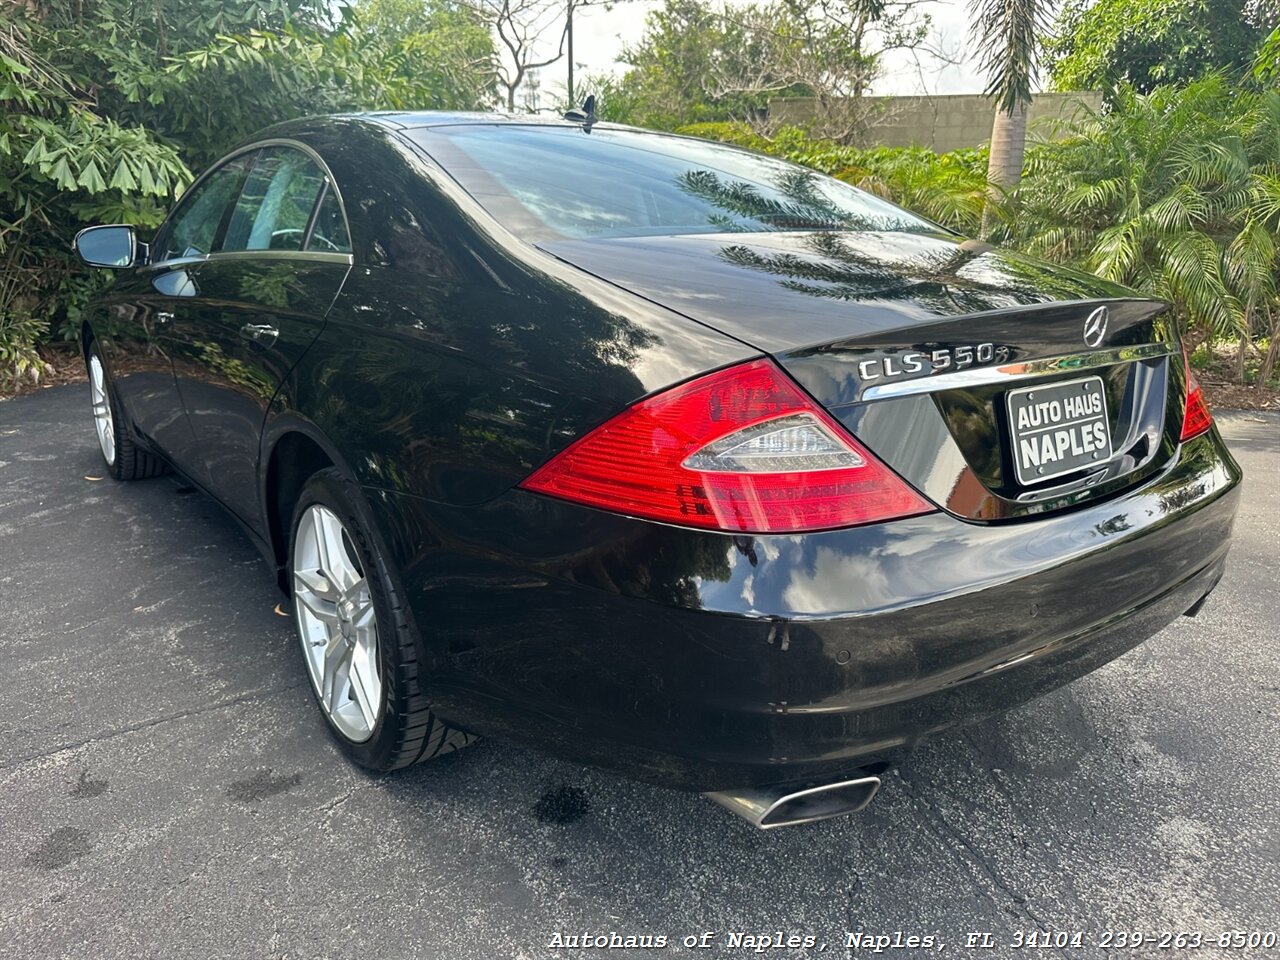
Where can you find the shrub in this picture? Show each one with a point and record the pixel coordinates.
(61, 163)
(19, 359)
(105, 107)
(1175, 193)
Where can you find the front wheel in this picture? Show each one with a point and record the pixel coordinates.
(356, 642)
(124, 459)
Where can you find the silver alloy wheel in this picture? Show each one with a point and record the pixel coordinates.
(336, 623)
(102, 421)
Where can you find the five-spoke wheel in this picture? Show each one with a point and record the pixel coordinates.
(102, 420)
(337, 623)
(353, 624)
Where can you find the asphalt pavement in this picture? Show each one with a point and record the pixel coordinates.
(167, 790)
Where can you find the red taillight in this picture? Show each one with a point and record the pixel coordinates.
(1196, 418)
(742, 449)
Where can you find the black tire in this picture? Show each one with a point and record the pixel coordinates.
(406, 731)
(130, 462)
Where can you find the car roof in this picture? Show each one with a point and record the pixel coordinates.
(417, 119)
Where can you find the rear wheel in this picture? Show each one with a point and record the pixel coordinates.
(356, 642)
(124, 459)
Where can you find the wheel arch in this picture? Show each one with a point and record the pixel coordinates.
(294, 450)
(87, 336)
(99, 333)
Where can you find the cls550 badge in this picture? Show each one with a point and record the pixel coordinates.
(917, 363)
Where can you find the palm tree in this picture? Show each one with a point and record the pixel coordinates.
(1175, 193)
(1008, 34)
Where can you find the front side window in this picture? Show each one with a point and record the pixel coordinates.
(556, 182)
(275, 204)
(193, 228)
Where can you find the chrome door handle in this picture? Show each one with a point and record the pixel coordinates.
(262, 333)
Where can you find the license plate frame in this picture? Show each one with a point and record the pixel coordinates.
(1051, 410)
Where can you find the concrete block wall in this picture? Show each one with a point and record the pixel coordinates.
(942, 123)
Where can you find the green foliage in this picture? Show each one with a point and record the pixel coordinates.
(616, 102)
(1175, 193)
(108, 106)
(19, 334)
(672, 77)
(1102, 44)
(61, 163)
(206, 74)
(701, 62)
(1266, 66)
(376, 57)
(948, 188)
(118, 51)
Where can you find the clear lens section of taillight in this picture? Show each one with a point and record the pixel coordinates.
(743, 449)
(1196, 418)
(799, 443)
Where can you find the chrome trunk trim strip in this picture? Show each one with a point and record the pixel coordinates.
(1021, 370)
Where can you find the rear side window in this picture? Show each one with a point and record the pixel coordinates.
(193, 229)
(275, 203)
(329, 235)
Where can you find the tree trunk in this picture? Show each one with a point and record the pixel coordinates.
(1004, 167)
(1273, 351)
(1008, 145)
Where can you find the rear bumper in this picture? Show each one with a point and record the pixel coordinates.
(707, 661)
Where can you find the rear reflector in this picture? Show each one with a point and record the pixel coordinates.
(742, 449)
(1196, 419)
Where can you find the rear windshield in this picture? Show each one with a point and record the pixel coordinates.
(545, 181)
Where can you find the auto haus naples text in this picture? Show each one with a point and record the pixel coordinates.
(762, 942)
(1061, 428)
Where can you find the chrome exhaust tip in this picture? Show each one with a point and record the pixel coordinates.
(770, 807)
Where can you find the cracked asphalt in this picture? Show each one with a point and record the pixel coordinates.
(167, 791)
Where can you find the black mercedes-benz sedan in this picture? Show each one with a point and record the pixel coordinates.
(653, 452)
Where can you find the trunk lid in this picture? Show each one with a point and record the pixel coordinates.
(987, 379)
(783, 291)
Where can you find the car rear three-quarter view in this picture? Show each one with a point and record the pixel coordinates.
(655, 453)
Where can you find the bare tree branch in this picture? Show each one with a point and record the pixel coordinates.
(524, 28)
(829, 51)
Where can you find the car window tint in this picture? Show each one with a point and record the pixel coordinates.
(559, 181)
(275, 203)
(193, 228)
(329, 235)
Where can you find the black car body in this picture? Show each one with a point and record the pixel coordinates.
(464, 339)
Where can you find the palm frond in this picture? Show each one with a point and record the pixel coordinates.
(1009, 33)
(1250, 262)
(1190, 264)
(1184, 208)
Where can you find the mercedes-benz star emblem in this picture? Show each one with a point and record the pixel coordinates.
(1095, 327)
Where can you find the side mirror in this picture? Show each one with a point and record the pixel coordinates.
(112, 246)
